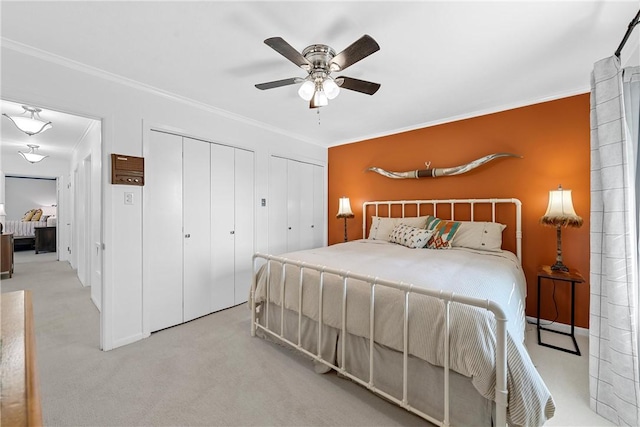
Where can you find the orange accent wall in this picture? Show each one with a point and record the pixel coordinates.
(552, 137)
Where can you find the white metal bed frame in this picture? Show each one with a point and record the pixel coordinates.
(501, 392)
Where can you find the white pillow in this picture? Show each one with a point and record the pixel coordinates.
(381, 226)
(484, 236)
(411, 237)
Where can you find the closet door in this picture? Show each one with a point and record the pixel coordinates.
(222, 227)
(318, 206)
(162, 230)
(244, 223)
(294, 188)
(196, 214)
(306, 197)
(277, 205)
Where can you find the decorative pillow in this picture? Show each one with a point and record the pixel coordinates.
(36, 215)
(381, 227)
(411, 237)
(28, 215)
(443, 234)
(484, 236)
(431, 222)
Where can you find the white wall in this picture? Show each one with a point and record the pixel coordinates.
(23, 194)
(128, 112)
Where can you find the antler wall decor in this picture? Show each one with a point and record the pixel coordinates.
(436, 172)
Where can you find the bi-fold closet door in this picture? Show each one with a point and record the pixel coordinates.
(296, 205)
(198, 229)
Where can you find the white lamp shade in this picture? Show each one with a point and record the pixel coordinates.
(319, 99)
(2, 211)
(306, 90)
(30, 126)
(344, 208)
(32, 157)
(560, 204)
(330, 88)
(560, 211)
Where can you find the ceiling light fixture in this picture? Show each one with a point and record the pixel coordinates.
(30, 122)
(319, 61)
(32, 156)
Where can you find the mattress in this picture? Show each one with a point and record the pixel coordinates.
(496, 276)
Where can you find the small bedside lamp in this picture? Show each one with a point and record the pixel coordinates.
(560, 213)
(344, 211)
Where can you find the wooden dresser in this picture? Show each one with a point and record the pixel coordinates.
(6, 254)
(20, 402)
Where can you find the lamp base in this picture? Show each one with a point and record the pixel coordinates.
(559, 266)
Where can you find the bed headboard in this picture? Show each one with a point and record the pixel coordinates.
(505, 211)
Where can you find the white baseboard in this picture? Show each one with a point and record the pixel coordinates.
(560, 327)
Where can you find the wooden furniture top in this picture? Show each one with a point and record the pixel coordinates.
(20, 403)
(569, 276)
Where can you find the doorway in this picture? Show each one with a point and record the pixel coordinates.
(72, 147)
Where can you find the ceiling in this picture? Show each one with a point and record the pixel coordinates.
(439, 60)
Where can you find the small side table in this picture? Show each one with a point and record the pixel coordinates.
(573, 277)
(45, 239)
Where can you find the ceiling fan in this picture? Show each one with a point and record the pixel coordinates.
(319, 61)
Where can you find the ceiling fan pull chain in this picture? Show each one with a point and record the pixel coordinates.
(318, 110)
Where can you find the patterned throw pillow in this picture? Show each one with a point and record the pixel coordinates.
(28, 215)
(36, 215)
(411, 237)
(443, 234)
(381, 227)
(432, 222)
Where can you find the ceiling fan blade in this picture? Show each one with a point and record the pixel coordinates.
(362, 86)
(278, 83)
(356, 51)
(285, 49)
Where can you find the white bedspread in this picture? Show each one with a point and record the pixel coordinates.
(494, 276)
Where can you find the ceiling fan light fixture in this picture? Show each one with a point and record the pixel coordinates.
(330, 87)
(319, 97)
(30, 122)
(306, 90)
(31, 156)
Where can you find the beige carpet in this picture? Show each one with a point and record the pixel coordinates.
(206, 372)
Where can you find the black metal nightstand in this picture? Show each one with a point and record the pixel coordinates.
(573, 277)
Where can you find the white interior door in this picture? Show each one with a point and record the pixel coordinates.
(162, 230)
(65, 220)
(318, 206)
(223, 227)
(96, 231)
(88, 241)
(306, 205)
(196, 216)
(244, 223)
(294, 187)
(277, 205)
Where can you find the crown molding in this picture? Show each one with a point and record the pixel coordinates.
(105, 75)
(470, 115)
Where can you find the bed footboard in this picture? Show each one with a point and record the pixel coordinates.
(377, 283)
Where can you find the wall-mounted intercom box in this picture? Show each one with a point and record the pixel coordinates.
(127, 170)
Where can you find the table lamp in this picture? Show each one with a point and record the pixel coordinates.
(560, 213)
(344, 211)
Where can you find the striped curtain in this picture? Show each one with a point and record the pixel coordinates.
(614, 382)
